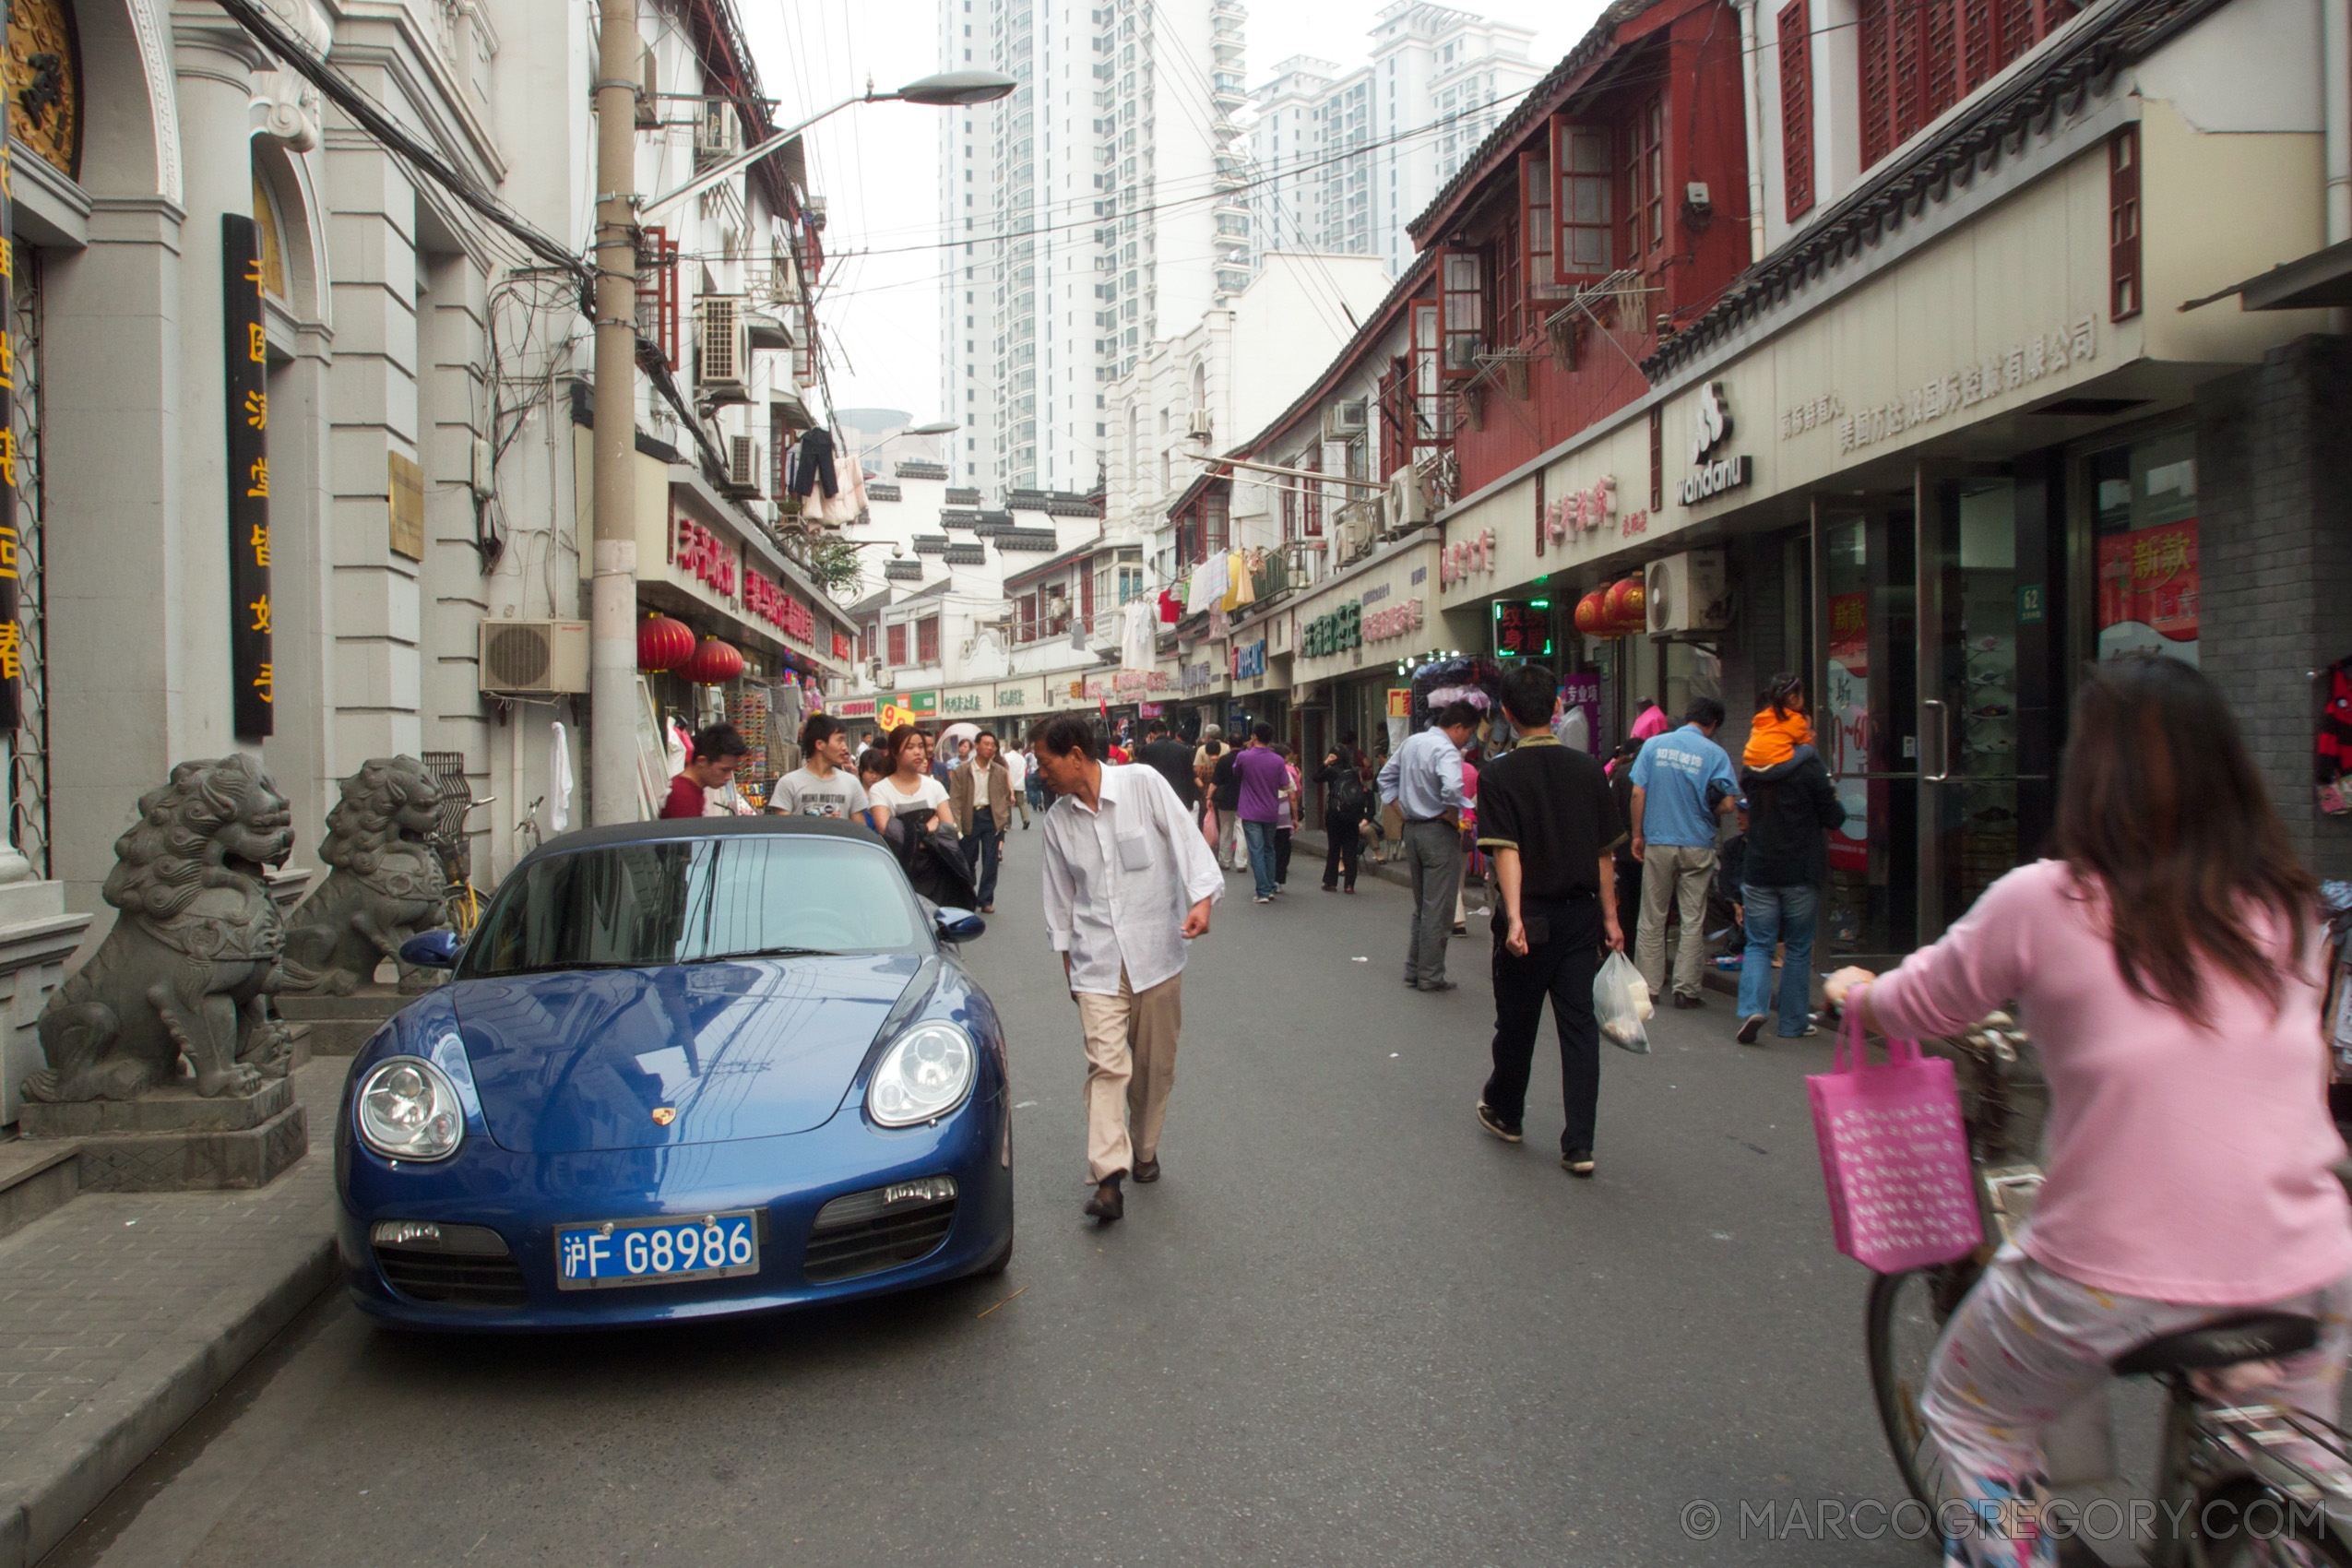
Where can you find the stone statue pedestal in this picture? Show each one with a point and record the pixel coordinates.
(338, 1026)
(173, 1140)
(36, 935)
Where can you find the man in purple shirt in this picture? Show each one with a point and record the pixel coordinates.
(1262, 776)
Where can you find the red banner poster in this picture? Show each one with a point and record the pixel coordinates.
(2148, 590)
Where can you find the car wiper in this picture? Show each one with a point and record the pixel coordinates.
(764, 953)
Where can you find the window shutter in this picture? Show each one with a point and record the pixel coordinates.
(1585, 210)
(897, 643)
(1797, 108)
(1537, 233)
(1871, 46)
(1461, 310)
(2123, 224)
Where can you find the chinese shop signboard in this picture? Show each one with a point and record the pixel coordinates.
(247, 360)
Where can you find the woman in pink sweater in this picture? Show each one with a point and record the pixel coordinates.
(2167, 965)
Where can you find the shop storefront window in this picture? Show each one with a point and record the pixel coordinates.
(2143, 499)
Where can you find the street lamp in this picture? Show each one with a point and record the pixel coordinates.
(950, 89)
(612, 589)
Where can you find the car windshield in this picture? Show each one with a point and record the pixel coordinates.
(697, 900)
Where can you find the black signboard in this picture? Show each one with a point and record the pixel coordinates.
(247, 359)
(1522, 628)
(12, 631)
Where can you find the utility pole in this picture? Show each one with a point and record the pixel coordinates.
(613, 601)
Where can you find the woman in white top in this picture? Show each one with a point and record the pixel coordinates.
(910, 792)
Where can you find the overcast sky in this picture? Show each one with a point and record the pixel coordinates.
(877, 164)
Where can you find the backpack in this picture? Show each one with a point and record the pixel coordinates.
(1344, 799)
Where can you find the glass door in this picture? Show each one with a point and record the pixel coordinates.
(1865, 717)
(1988, 713)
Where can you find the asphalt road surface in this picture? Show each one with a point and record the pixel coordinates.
(1345, 1328)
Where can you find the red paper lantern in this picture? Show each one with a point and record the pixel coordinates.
(714, 664)
(663, 644)
(1627, 608)
(1592, 619)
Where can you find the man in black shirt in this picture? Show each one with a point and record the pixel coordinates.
(1171, 759)
(1546, 815)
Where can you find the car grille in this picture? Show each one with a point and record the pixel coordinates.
(866, 1232)
(453, 1279)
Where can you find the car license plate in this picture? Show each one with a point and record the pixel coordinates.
(656, 1252)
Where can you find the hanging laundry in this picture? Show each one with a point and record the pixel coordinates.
(559, 781)
(1137, 648)
(1172, 609)
(812, 468)
(1237, 591)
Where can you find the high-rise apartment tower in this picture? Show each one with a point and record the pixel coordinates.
(1098, 207)
(1342, 159)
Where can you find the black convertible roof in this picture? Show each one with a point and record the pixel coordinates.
(705, 828)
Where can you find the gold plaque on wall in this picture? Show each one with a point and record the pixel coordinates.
(408, 508)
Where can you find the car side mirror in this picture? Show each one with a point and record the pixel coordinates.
(957, 925)
(433, 950)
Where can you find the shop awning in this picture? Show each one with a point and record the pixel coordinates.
(2320, 280)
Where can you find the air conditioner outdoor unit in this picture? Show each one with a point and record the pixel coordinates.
(1201, 423)
(1462, 352)
(534, 658)
(725, 363)
(1343, 420)
(1687, 593)
(743, 464)
(717, 133)
(1407, 507)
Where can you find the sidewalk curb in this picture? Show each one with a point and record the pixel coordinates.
(49, 1488)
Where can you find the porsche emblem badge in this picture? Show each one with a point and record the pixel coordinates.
(665, 1114)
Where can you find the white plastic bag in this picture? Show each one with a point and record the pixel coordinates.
(1621, 1001)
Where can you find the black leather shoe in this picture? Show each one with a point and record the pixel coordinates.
(1147, 1171)
(1108, 1203)
(1686, 1002)
(1439, 985)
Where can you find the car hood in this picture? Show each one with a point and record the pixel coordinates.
(581, 1060)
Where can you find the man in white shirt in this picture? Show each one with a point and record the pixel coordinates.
(1128, 883)
(1016, 766)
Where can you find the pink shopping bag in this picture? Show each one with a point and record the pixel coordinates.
(1894, 1156)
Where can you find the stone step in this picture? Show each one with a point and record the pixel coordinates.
(338, 1026)
(36, 1179)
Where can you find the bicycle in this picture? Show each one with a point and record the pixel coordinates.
(459, 896)
(2220, 1465)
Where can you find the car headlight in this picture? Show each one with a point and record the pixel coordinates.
(926, 1072)
(410, 1110)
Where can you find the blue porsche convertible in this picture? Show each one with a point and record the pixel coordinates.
(682, 1069)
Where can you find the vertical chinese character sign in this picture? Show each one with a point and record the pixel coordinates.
(248, 366)
(12, 636)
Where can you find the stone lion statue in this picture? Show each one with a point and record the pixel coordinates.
(188, 967)
(384, 886)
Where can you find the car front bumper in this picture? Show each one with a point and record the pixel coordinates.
(787, 1180)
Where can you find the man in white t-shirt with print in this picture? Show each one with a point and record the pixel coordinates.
(824, 785)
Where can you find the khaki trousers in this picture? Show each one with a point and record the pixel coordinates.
(1677, 874)
(1131, 1065)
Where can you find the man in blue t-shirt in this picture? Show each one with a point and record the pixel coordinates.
(1681, 783)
